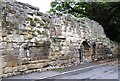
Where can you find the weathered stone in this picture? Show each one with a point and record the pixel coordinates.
(23, 68)
(31, 40)
(7, 70)
(31, 66)
(3, 45)
(1, 63)
(28, 71)
(15, 69)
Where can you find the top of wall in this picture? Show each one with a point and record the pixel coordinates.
(20, 14)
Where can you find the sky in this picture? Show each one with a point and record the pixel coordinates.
(44, 5)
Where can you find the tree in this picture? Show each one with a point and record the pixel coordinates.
(106, 13)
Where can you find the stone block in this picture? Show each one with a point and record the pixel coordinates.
(12, 64)
(15, 69)
(1, 76)
(7, 70)
(15, 45)
(1, 64)
(18, 38)
(31, 66)
(3, 45)
(23, 68)
(40, 65)
(53, 63)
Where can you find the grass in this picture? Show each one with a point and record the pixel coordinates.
(59, 70)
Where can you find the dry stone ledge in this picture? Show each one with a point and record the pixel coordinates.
(34, 41)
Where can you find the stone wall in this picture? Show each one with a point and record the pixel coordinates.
(34, 41)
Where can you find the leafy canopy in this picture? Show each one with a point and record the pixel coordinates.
(106, 13)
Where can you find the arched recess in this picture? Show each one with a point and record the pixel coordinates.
(85, 52)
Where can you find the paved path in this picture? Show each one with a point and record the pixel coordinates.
(76, 67)
(35, 75)
(90, 73)
(40, 75)
(97, 72)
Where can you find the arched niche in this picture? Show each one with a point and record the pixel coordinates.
(85, 52)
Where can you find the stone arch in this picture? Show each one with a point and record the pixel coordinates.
(85, 52)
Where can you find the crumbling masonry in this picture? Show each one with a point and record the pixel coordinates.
(33, 41)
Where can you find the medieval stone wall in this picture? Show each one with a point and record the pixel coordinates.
(33, 41)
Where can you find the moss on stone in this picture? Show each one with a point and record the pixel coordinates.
(44, 33)
(17, 31)
(14, 25)
(39, 26)
(42, 24)
(36, 19)
(28, 19)
(5, 24)
(46, 26)
(32, 23)
(17, 16)
(39, 32)
(12, 11)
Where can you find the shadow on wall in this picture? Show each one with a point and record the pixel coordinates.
(85, 52)
(11, 57)
(95, 52)
(17, 57)
(103, 52)
(118, 52)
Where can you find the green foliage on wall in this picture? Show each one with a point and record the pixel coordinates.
(106, 13)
